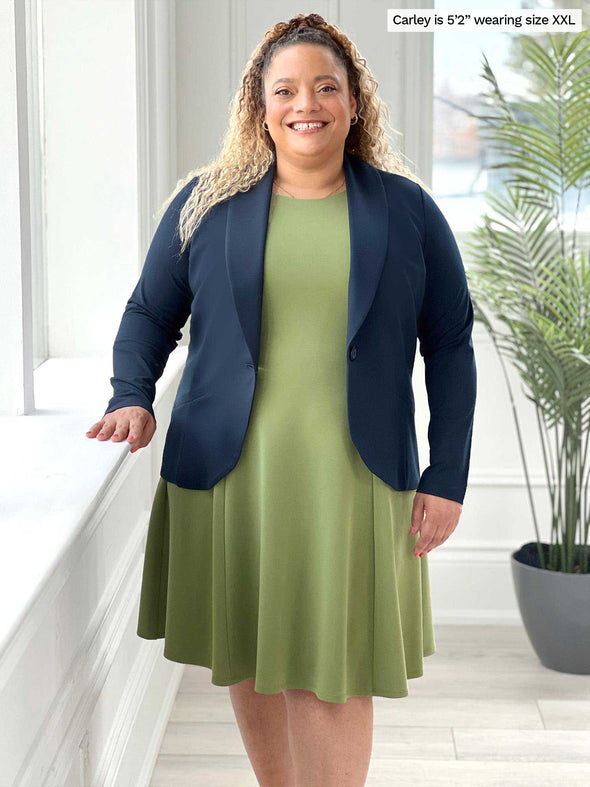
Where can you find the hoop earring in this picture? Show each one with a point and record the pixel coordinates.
(264, 126)
(353, 122)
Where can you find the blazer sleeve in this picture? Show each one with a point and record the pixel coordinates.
(444, 331)
(157, 309)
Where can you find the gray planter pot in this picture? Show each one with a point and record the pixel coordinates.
(555, 610)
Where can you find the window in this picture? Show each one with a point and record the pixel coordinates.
(459, 177)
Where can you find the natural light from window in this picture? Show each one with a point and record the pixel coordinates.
(459, 177)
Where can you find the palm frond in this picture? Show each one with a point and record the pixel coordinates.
(530, 283)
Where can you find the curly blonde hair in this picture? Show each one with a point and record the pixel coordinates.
(248, 149)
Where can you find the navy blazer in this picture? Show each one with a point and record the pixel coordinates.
(406, 282)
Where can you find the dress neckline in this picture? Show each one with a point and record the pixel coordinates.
(308, 199)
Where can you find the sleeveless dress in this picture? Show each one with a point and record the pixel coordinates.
(297, 568)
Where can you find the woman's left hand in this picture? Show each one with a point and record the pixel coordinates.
(442, 516)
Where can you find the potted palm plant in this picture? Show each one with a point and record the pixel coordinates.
(532, 275)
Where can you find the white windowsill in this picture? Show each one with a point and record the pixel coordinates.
(53, 474)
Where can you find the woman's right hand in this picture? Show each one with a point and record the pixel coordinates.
(134, 424)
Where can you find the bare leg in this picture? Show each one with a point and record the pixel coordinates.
(262, 720)
(331, 743)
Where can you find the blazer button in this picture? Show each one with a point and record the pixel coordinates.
(352, 353)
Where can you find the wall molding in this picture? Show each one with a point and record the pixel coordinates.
(504, 478)
(56, 745)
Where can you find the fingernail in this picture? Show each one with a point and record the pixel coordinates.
(132, 437)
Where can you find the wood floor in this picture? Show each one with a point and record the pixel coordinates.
(485, 712)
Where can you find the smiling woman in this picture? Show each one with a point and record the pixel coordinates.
(282, 551)
(316, 106)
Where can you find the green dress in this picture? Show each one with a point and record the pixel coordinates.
(297, 568)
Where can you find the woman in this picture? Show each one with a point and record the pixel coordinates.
(280, 549)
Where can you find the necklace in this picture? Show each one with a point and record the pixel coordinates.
(327, 195)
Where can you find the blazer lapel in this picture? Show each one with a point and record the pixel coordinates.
(245, 241)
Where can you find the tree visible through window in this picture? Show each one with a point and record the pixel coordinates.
(459, 175)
